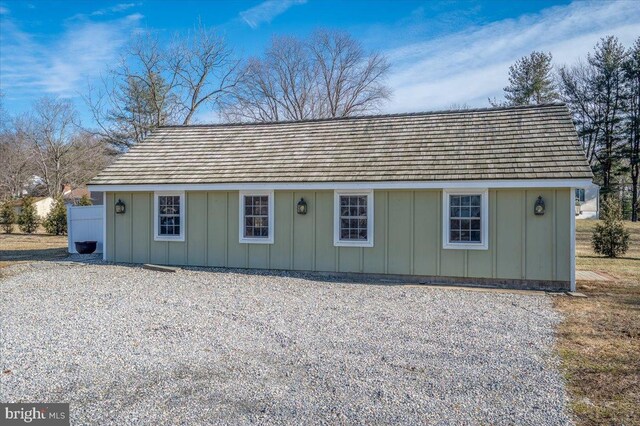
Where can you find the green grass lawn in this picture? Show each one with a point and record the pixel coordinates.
(599, 340)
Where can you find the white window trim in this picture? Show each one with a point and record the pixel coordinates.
(255, 240)
(156, 216)
(337, 242)
(484, 219)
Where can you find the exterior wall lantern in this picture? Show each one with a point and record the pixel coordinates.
(301, 208)
(539, 207)
(120, 207)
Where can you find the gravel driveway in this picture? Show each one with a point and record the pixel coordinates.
(125, 345)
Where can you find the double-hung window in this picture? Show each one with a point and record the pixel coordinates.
(353, 218)
(465, 217)
(256, 217)
(169, 216)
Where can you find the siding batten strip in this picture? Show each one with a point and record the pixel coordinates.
(292, 252)
(413, 230)
(315, 224)
(104, 225)
(554, 230)
(493, 244)
(466, 263)
(185, 251)
(148, 257)
(206, 228)
(386, 232)
(524, 235)
(226, 229)
(131, 230)
(572, 238)
(438, 233)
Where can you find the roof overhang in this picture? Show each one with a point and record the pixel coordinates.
(485, 184)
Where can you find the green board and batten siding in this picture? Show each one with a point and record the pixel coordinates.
(407, 235)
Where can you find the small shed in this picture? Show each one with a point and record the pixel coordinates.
(476, 197)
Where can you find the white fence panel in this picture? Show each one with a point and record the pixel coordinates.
(84, 223)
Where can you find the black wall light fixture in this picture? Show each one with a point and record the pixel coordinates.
(301, 208)
(120, 208)
(539, 208)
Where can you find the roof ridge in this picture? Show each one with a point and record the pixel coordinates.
(373, 116)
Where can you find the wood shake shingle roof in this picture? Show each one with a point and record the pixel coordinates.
(537, 142)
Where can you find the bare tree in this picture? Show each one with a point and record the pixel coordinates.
(352, 82)
(17, 165)
(577, 93)
(50, 131)
(58, 151)
(89, 155)
(136, 96)
(458, 107)
(328, 75)
(279, 87)
(154, 85)
(205, 69)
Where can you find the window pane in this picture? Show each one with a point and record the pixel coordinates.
(353, 217)
(256, 211)
(169, 215)
(464, 218)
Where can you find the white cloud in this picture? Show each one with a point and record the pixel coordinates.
(266, 11)
(471, 66)
(62, 67)
(113, 9)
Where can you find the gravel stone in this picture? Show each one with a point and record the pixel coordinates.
(124, 345)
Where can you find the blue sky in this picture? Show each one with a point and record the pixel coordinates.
(442, 53)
